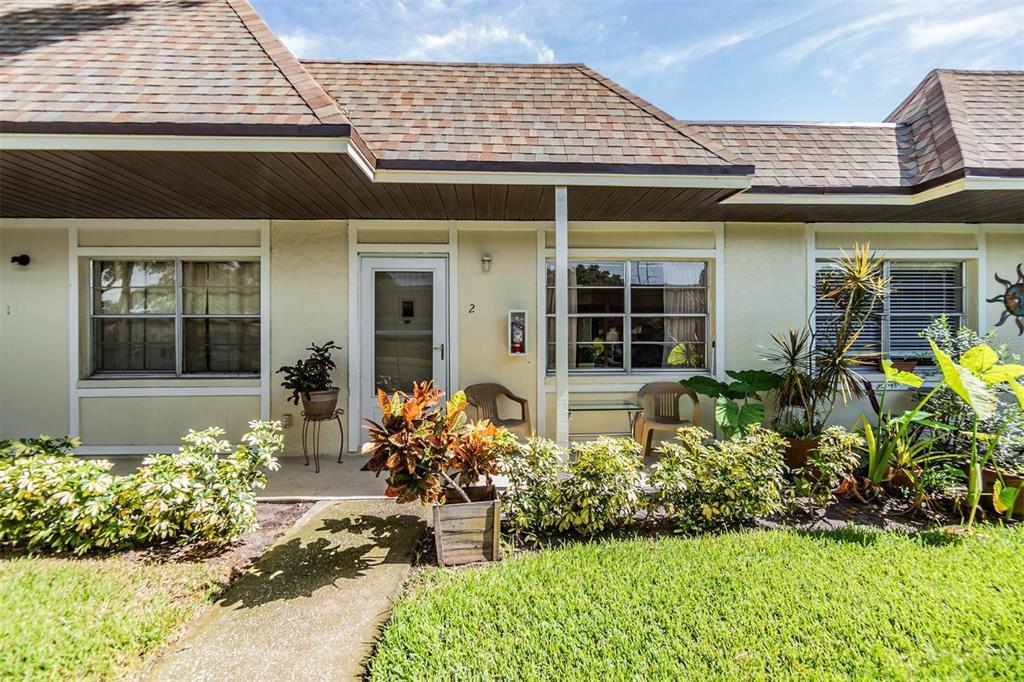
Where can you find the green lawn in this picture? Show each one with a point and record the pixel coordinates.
(94, 618)
(746, 605)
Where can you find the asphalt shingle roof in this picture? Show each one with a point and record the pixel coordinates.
(151, 61)
(559, 113)
(813, 155)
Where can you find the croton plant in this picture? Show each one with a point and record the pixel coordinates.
(422, 442)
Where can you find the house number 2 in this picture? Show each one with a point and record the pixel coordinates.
(472, 307)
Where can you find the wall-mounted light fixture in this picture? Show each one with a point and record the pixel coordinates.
(485, 262)
(23, 260)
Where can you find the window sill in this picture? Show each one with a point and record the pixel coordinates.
(163, 381)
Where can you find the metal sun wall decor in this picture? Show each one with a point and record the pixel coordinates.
(1013, 299)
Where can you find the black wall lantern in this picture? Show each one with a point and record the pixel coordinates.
(23, 260)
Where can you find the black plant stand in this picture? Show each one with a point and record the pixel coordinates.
(311, 429)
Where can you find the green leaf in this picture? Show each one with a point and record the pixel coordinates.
(898, 376)
(751, 414)
(1004, 498)
(1018, 391)
(756, 380)
(965, 384)
(706, 386)
(979, 359)
(727, 414)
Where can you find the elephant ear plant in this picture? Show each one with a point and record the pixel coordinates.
(738, 405)
(974, 380)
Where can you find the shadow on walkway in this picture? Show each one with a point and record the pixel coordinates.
(341, 549)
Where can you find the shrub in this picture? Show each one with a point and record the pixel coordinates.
(722, 482)
(60, 503)
(602, 488)
(530, 500)
(418, 443)
(829, 465)
(43, 445)
(588, 489)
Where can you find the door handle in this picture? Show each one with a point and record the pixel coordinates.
(440, 348)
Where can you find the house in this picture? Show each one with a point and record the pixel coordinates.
(197, 206)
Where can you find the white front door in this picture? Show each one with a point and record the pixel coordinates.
(403, 318)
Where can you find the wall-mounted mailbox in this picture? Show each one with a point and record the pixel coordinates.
(516, 332)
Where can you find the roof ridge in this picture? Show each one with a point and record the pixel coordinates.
(963, 135)
(324, 107)
(414, 62)
(820, 124)
(661, 115)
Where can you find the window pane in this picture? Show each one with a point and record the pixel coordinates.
(669, 329)
(134, 345)
(221, 288)
(920, 293)
(668, 355)
(133, 287)
(598, 355)
(593, 301)
(668, 273)
(221, 345)
(591, 274)
(669, 301)
(590, 329)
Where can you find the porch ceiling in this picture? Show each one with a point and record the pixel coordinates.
(151, 184)
(124, 184)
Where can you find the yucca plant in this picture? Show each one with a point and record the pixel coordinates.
(821, 364)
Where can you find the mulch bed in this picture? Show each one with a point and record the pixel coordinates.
(275, 519)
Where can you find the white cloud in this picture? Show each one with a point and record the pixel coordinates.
(853, 31)
(1003, 25)
(301, 43)
(469, 41)
(677, 58)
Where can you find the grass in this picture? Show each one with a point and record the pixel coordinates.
(748, 605)
(93, 619)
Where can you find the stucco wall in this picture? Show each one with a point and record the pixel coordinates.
(511, 284)
(764, 292)
(308, 303)
(33, 330)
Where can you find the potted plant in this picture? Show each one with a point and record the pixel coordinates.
(905, 364)
(310, 381)
(436, 456)
(586, 355)
(820, 364)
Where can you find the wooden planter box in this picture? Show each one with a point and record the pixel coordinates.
(468, 532)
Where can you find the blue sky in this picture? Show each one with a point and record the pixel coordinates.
(792, 61)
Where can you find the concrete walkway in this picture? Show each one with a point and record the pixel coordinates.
(312, 605)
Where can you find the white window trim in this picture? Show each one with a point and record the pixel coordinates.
(200, 385)
(179, 317)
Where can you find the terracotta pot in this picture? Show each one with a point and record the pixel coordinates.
(897, 478)
(901, 365)
(321, 403)
(468, 532)
(796, 453)
(989, 477)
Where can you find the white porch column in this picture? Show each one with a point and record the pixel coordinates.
(562, 315)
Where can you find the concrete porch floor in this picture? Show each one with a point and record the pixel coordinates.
(294, 479)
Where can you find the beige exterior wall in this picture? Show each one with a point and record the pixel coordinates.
(33, 329)
(308, 303)
(510, 285)
(765, 291)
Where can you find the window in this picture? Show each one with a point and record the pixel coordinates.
(175, 317)
(633, 316)
(918, 293)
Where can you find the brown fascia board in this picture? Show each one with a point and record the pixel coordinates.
(659, 114)
(562, 167)
(170, 128)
